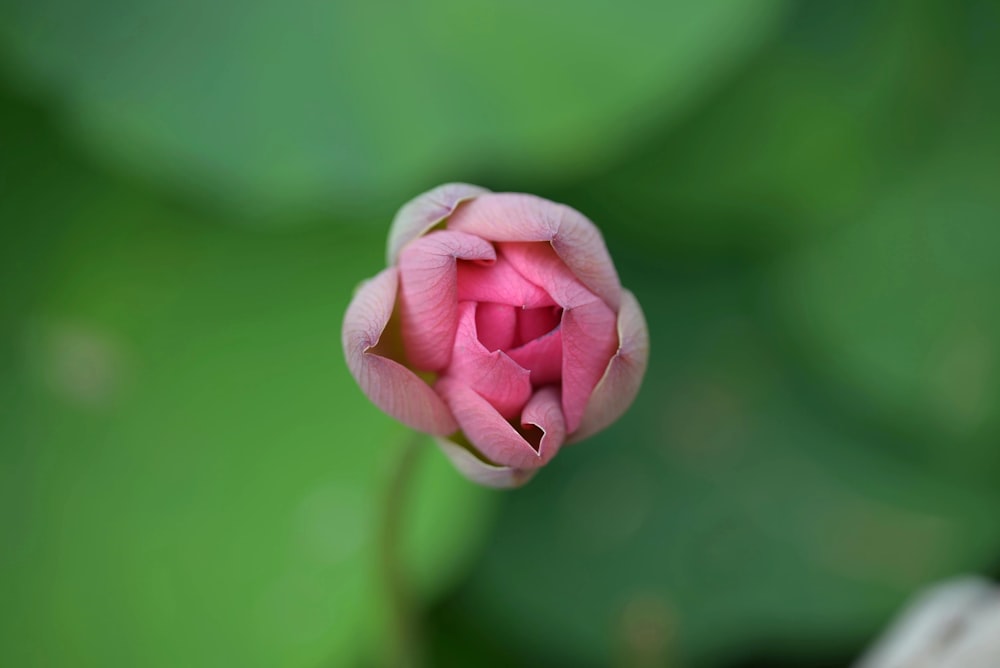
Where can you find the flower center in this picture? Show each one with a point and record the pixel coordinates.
(504, 327)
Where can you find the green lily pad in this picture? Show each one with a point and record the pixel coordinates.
(900, 307)
(361, 105)
(189, 475)
(840, 103)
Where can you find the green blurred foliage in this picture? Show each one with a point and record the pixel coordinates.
(357, 104)
(903, 308)
(804, 202)
(189, 476)
(810, 135)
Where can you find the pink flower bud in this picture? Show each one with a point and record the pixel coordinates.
(500, 327)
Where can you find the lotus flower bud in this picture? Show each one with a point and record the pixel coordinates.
(500, 327)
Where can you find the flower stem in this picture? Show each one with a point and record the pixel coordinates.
(407, 651)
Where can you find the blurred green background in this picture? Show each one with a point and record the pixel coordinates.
(805, 197)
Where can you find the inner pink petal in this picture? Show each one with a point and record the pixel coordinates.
(492, 434)
(497, 325)
(538, 263)
(499, 282)
(542, 357)
(543, 424)
(517, 217)
(535, 322)
(493, 375)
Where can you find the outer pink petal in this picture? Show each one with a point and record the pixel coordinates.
(484, 473)
(618, 388)
(429, 293)
(518, 217)
(493, 375)
(589, 341)
(425, 211)
(391, 386)
(494, 437)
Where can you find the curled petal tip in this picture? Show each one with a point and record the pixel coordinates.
(424, 211)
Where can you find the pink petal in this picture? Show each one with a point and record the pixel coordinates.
(542, 357)
(423, 212)
(390, 386)
(518, 217)
(501, 283)
(618, 388)
(589, 340)
(493, 375)
(494, 437)
(482, 472)
(538, 263)
(429, 293)
(544, 414)
(496, 325)
(535, 322)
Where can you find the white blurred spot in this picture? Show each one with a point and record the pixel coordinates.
(954, 625)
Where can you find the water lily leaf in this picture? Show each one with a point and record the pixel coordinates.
(189, 475)
(900, 306)
(359, 104)
(841, 102)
